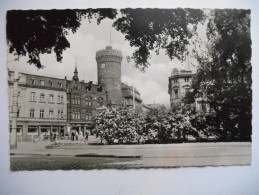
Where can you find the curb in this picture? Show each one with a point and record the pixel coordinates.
(107, 156)
(78, 155)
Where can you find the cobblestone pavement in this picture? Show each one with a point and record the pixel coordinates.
(41, 162)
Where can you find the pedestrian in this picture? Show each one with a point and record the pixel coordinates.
(86, 136)
(72, 136)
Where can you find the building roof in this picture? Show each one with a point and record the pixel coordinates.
(126, 93)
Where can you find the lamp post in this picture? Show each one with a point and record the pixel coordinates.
(13, 140)
(133, 96)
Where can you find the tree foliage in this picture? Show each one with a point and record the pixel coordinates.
(155, 29)
(35, 32)
(223, 79)
(38, 32)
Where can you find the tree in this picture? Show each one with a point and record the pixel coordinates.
(156, 29)
(44, 31)
(35, 32)
(223, 79)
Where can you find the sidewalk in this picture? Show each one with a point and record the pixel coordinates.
(70, 148)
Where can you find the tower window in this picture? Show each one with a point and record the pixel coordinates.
(42, 82)
(176, 93)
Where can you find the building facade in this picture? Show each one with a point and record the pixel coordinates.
(179, 84)
(82, 101)
(41, 105)
(48, 106)
(128, 95)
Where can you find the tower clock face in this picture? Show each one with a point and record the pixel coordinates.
(102, 66)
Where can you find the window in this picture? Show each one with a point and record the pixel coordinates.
(51, 84)
(41, 113)
(42, 82)
(60, 85)
(186, 79)
(60, 113)
(76, 100)
(33, 96)
(18, 112)
(88, 115)
(32, 130)
(44, 130)
(76, 114)
(88, 101)
(100, 101)
(32, 113)
(42, 97)
(33, 81)
(51, 98)
(61, 99)
(51, 114)
(176, 93)
(175, 80)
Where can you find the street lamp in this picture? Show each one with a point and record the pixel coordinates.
(13, 140)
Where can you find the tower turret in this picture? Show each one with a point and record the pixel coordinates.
(75, 77)
(109, 73)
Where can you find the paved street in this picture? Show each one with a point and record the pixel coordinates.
(79, 155)
(41, 162)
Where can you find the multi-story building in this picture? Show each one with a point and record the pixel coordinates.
(127, 92)
(82, 101)
(179, 84)
(50, 106)
(41, 105)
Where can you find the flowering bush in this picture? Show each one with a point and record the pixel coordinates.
(125, 126)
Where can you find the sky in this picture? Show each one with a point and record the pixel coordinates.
(90, 37)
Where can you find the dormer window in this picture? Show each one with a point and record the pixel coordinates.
(51, 84)
(33, 82)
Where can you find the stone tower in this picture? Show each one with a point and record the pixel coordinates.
(109, 73)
